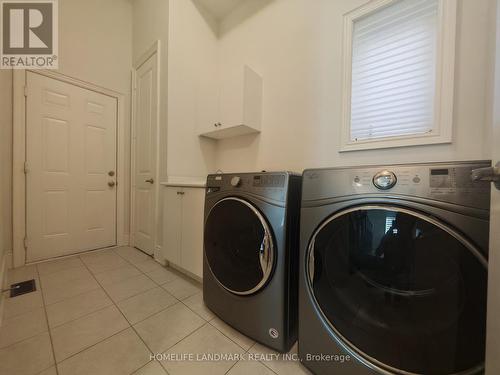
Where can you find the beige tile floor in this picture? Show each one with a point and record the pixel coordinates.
(106, 312)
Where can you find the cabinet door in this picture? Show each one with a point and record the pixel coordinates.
(192, 230)
(172, 219)
(207, 111)
(231, 98)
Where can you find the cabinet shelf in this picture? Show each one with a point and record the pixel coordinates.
(229, 132)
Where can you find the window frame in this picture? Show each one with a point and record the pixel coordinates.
(442, 131)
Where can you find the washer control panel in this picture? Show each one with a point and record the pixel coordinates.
(448, 182)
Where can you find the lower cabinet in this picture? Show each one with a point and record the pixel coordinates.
(183, 227)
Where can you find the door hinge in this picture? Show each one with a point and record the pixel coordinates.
(26, 91)
(26, 242)
(26, 167)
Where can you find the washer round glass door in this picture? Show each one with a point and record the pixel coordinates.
(238, 246)
(400, 290)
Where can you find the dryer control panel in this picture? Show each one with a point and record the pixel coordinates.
(448, 182)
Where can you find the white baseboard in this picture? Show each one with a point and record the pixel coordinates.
(158, 255)
(9, 260)
(185, 272)
(125, 240)
(3, 282)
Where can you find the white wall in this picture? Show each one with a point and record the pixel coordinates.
(95, 45)
(150, 23)
(296, 46)
(188, 74)
(188, 71)
(192, 85)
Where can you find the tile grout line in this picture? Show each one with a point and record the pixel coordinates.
(114, 303)
(135, 295)
(218, 329)
(140, 368)
(91, 346)
(29, 337)
(53, 272)
(130, 325)
(181, 301)
(76, 295)
(47, 321)
(45, 305)
(113, 269)
(82, 316)
(171, 346)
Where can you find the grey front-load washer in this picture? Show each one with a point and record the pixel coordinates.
(393, 271)
(250, 266)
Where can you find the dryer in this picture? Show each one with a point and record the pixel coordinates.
(393, 269)
(250, 266)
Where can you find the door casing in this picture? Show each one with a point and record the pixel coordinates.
(493, 319)
(19, 158)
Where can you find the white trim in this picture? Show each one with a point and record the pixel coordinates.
(3, 282)
(155, 48)
(18, 176)
(19, 157)
(445, 73)
(158, 256)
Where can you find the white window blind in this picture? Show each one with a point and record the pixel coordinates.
(394, 70)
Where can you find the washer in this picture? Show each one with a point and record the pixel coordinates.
(393, 269)
(250, 266)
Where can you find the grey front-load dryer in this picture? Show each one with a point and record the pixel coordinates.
(393, 271)
(250, 266)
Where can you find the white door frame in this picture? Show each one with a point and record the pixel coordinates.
(492, 364)
(19, 158)
(154, 49)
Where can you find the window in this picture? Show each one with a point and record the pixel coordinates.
(389, 220)
(398, 74)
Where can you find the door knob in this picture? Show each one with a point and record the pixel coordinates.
(111, 173)
(150, 180)
(111, 183)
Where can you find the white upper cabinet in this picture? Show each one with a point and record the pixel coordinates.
(238, 110)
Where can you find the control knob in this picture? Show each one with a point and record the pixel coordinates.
(236, 181)
(384, 180)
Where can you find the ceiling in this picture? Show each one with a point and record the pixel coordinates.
(220, 8)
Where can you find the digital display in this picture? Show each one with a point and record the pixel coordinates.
(439, 172)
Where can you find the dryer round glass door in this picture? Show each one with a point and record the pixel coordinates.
(238, 246)
(400, 290)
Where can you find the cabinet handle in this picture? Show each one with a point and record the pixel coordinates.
(180, 193)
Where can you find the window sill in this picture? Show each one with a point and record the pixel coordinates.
(384, 143)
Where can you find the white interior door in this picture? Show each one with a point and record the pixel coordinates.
(70, 155)
(145, 156)
(493, 320)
